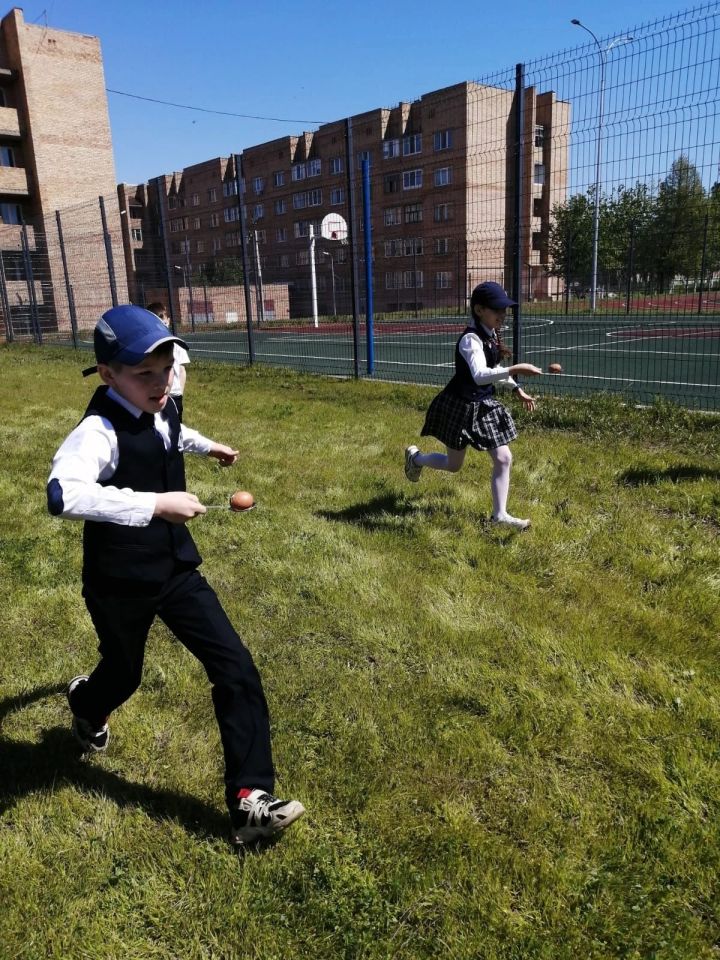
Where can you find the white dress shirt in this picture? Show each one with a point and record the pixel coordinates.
(471, 350)
(90, 454)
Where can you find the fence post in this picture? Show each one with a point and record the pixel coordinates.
(108, 253)
(703, 264)
(166, 254)
(630, 268)
(352, 234)
(369, 333)
(30, 280)
(518, 218)
(66, 274)
(243, 248)
(5, 302)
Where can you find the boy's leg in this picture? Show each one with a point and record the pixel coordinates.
(122, 622)
(191, 609)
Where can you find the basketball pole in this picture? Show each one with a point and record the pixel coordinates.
(313, 278)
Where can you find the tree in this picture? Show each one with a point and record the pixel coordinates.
(678, 227)
(222, 273)
(570, 241)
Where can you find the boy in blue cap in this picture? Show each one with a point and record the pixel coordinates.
(466, 413)
(121, 471)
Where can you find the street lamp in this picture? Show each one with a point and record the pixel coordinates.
(332, 273)
(603, 51)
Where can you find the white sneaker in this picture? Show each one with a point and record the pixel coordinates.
(514, 522)
(259, 816)
(412, 470)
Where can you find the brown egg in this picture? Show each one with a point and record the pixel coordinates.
(554, 368)
(241, 500)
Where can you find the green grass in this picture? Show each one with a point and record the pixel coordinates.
(508, 744)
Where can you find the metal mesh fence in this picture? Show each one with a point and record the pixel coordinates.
(587, 183)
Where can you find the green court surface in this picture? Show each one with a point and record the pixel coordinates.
(640, 357)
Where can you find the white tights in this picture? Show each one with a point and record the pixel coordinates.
(453, 460)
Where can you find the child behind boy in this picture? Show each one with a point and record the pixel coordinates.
(180, 358)
(121, 470)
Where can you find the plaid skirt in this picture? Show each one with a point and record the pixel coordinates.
(483, 424)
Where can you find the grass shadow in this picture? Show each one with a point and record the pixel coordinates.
(648, 476)
(32, 767)
(380, 513)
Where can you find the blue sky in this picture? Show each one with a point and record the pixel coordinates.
(303, 61)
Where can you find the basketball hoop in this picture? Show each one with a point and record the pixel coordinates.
(333, 227)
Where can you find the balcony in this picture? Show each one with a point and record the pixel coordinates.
(9, 122)
(13, 181)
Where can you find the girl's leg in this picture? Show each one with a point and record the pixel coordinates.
(451, 461)
(500, 487)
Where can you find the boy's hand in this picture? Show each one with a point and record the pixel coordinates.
(529, 369)
(177, 506)
(226, 455)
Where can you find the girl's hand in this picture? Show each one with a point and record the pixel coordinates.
(226, 455)
(524, 368)
(177, 506)
(527, 401)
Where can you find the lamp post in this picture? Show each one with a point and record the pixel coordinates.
(603, 51)
(332, 274)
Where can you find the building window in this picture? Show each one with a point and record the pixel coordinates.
(314, 168)
(412, 247)
(178, 224)
(442, 140)
(216, 244)
(172, 202)
(258, 211)
(392, 216)
(336, 165)
(232, 239)
(363, 155)
(214, 219)
(413, 278)
(537, 207)
(298, 171)
(537, 240)
(393, 248)
(136, 234)
(337, 196)
(302, 258)
(391, 183)
(443, 279)
(212, 194)
(301, 228)
(442, 212)
(412, 144)
(442, 245)
(299, 201)
(539, 173)
(413, 213)
(412, 179)
(442, 177)
(539, 136)
(261, 236)
(285, 260)
(135, 212)
(184, 246)
(196, 223)
(230, 214)
(393, 281)
(230, 188)
(195, 200)
(200, 246)
(259, 185)
(279, 178)
(314, 198)
(391, 148)
(281, 234)
(280, 206)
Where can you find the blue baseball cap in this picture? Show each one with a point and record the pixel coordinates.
(491, 295)
(127, 334)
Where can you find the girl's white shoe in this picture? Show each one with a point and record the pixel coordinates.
(509, 521)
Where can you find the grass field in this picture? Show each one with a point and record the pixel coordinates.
(508, 745)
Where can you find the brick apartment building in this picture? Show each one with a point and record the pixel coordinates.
(441, 203)
(55, 154)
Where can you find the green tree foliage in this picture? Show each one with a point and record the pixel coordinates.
(227, 272)
(679, 221)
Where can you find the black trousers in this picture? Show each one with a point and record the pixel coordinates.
(122, 612)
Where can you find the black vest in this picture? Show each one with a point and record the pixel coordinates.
(139, 553)
(462, 384)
